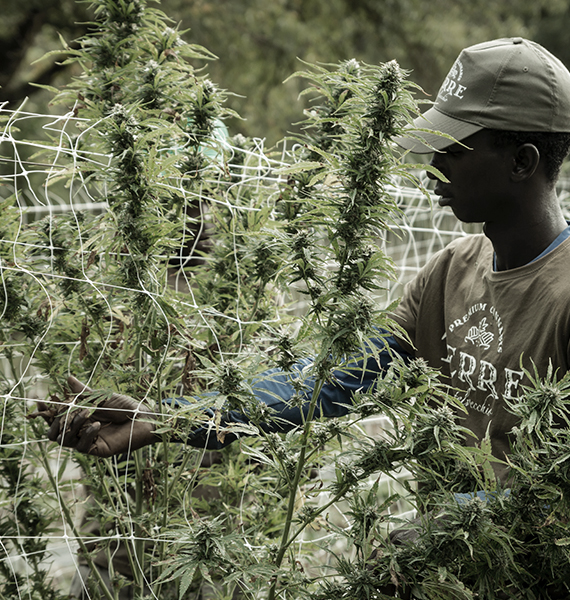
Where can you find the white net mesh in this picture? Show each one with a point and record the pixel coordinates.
(41, 192)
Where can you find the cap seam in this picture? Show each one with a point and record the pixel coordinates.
(504, 64)
(553, 88)
(455, 118)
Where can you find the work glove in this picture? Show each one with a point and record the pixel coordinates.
(102, 425)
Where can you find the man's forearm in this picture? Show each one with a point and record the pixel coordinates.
(288, 394)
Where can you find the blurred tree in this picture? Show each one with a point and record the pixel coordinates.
(259, 42)
(27, 31)
(552, 28)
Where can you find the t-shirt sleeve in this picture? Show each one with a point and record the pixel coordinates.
(406, 313)
(288, 394)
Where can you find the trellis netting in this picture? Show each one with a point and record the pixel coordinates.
(38, 186)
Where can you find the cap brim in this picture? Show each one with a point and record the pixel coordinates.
(422, 142)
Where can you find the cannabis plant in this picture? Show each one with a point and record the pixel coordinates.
(184, 294)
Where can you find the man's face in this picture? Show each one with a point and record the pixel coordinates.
(479, 176)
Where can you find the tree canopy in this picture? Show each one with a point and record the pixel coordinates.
(259, 44)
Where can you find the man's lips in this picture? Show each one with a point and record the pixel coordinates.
(444, 197)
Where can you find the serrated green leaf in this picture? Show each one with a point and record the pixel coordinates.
(186, 581)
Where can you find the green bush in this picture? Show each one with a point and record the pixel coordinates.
(92, 295)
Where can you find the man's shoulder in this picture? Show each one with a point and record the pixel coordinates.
(464, 251)
(468, 244)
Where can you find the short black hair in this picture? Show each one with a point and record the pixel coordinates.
(553, 147)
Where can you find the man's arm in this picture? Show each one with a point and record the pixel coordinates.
(116, 423)
(288, 394)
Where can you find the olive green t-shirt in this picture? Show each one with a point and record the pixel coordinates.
(482, 327)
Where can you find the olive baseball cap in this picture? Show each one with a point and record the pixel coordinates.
(511, 84)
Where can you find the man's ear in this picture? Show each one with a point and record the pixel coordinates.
(526, 159)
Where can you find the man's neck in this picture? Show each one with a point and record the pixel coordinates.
(522, 241)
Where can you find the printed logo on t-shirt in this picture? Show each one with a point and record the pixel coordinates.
(479, 335)
(473, 342)
(488, 328)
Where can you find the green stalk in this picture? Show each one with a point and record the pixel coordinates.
(285, 542)
(174, 480)
(21, 389)
(138, 568)
(139, 541)
(111, 472)
(22, 393)
(166, 487)
(318, 512)
(69, 520)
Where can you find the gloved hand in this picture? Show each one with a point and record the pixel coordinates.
(109, 425)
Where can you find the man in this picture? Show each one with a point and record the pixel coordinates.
(502, 118)
(486, 300)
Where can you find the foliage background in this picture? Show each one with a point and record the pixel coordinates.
(259, 43)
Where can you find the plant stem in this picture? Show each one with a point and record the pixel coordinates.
(285, 542)
(165, 475)
(139, 541)
(109, 494)
(69, 519)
